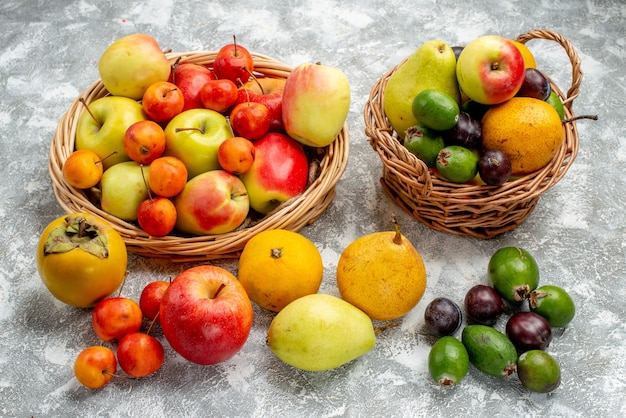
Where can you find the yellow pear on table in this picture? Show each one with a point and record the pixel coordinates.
(431, 66)
(320, 332)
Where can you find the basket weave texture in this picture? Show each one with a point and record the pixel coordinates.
(479, 211)
(327, 165)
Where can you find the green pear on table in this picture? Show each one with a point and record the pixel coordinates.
(320, 332)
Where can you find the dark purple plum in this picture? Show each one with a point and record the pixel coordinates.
(535, 85)
(494, 167)
(467, 132)
(443, 317)
(483, 305)
(528, 331)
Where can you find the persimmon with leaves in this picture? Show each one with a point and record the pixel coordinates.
(81, 259)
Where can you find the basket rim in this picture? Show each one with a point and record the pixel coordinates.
(421, 183)
(325, 170)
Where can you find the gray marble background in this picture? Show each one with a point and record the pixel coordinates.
(49, 53)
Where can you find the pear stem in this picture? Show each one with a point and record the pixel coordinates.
(397, 239)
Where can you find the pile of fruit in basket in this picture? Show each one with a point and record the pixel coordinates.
(479, 113)
(195, 148)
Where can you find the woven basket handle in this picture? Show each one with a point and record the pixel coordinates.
(577, 74)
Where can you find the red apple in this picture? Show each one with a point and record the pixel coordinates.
(234, 63)
(95, 366)
(162, 101)
(151, 296)
(140, 354)
(144, 141)
(157, 216)
(114, 317)
(250, 120)
(236, 155)
(267, 91)
(218, 95)
(280, 171)
(214, 202)
(490, 70)
(206, 315)
(190, 77)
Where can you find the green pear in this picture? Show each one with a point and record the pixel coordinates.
(320, 332)
(432, 66)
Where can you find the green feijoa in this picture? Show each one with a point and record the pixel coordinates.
(457, 164)
(514, 273)
(538, 371)
(448, 361)
(435, 109)
(555, 101)
(424, 143)
(553, 303)
(489, 350)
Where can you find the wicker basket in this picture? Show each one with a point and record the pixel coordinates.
(327, 165)
(463, 209)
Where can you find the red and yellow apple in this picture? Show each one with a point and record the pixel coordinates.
(162, 101)
(316, 101)
(190, 78)
(490, 70)
(279, 172)
(214, 202)
(95, 366)
(101, 127)
(206, 315)
(114, 317)
(233, 62)
(157, 216)
(139, 354)
(150, 298)
(267, 91)
(194, 136)
(131, 64)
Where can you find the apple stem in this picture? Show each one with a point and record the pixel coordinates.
(152, 323)
(82, 100)
(219, 289)
(119, 294)
(594, 117)
(255, 80)
(102, 159)
(235, 44)
(397, 239)
(145, 182)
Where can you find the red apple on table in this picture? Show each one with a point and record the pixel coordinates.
(214, 202)
(162, 101)
(206, 315)
(233, 62)
(280, 171)
(190, 77)
(250, 120)
(114, 317)
(157, 216)
(139, 354)
(268, 91)
(316, 101)
(490, 70)
(95, 366)
(218, 95)
(150, 298)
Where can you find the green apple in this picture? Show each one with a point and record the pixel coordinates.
(101, 128)
(123, 188)
(194, 136)
(131, 64)
(316, 101)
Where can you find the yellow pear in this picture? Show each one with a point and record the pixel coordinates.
(320, 332)
(432, 66)
(382, 274)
